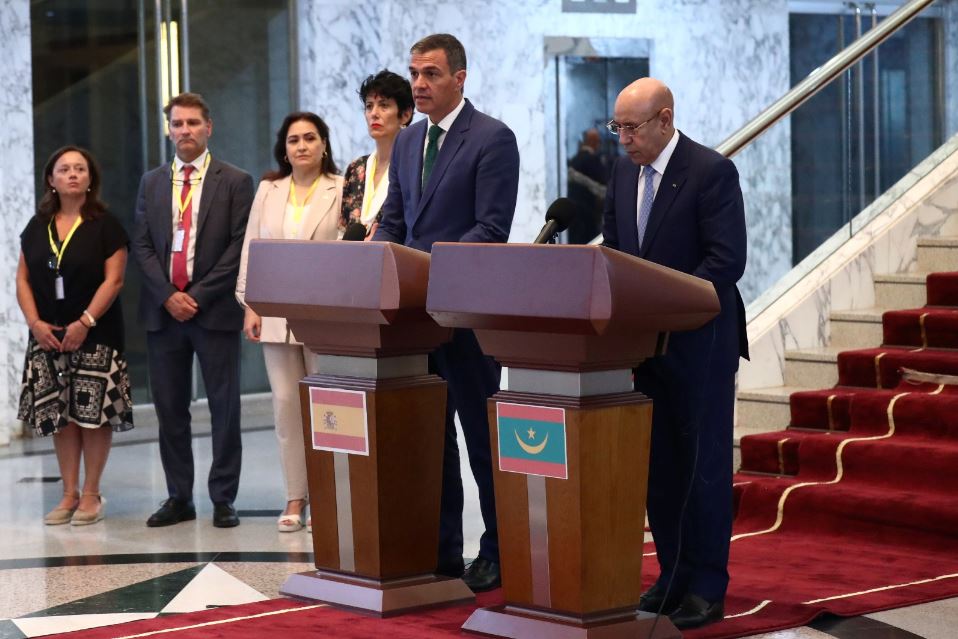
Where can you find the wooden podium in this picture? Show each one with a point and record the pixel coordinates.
(570, 438)
(373, 418)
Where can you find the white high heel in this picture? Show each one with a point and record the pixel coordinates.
(291, 523)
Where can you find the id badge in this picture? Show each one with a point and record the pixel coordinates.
(58, 287)
(178, 236)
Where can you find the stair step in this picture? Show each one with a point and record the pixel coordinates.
(900, 290)
(761, 410)
(813, 367)
(937, 254)
(856, 329)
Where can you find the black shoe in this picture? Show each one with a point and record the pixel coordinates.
(651, 600)
(451, 568)
(224, 516)
(482, 575)
(173, 511)
(695, 612)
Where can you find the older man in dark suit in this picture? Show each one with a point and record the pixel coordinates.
(677, 203)
(190, 222)
(454, 177)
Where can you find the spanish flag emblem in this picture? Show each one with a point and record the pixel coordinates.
(338, 420)
(532, 440)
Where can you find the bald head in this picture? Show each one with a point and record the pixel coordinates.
(648, 93)
(646, 107)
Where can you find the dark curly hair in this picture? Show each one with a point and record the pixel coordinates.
(328, 165)
(92, 207)
(391, 86)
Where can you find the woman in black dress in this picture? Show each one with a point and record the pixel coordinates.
(75, 380)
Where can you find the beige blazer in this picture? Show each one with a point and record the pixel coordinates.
(266, 222)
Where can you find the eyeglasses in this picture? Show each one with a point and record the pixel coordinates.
(628, 129)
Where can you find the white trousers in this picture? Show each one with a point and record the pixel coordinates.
(286, 364)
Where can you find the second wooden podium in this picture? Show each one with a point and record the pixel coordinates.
(373, 418)
(570, 439)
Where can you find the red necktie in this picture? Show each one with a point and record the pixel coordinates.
(180, 278)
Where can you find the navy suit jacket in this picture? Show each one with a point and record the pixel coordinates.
(697, 226)
(471, 193)
(220, 227)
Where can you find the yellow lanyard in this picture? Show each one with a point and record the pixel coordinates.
(181, 202)
(63, 247)
(297, 208)
(369, 193)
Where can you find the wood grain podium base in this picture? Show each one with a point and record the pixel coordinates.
(523, 623)
(383, 598)
(571, 546)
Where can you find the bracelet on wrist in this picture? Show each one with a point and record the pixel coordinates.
(33, 323)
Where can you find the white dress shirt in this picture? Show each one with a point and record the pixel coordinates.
(199, 174)
(659, 165)
(445, 124)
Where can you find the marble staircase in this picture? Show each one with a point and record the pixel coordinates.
(767, 409)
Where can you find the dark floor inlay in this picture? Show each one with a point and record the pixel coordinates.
(151, 595)
(259, 513)
(9, 630)
(859, 628)
(38, 480)
(156, 558)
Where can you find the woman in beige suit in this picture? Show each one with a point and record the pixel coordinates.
(299, 201)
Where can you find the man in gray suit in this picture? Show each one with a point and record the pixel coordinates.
(190, 221)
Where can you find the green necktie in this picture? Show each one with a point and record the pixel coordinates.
(432, 150)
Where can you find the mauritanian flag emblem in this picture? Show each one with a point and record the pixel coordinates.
(532, 440)
(338, 420)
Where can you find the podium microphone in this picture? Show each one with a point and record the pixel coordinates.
(558, 217)
(355, 232)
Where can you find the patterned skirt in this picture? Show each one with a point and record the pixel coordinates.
(90, 386)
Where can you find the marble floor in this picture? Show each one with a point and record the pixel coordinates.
(55, 579)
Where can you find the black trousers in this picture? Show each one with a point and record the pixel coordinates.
(471, 378)
(170, 353)
(692, 424)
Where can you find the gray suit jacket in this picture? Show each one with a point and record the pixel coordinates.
(220, 227)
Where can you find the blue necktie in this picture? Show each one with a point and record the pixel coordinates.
(645, 207)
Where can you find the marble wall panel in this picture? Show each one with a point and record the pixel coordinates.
(724, 61)
(853, 286)
(16, 197)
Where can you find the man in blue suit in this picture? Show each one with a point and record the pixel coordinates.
(677, 203)
(453, 177)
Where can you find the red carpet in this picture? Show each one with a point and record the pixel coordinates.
(942, 289)
(854, 521)
(852, 509)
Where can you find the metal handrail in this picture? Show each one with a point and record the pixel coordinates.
(820, 77)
